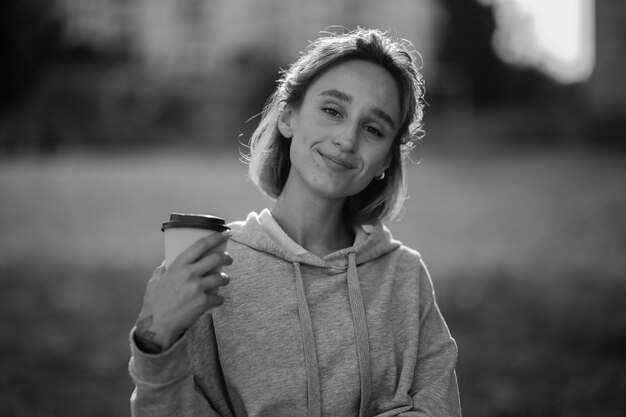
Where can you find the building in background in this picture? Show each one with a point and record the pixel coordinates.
(194, 37)
(141, 71)
(605, 92)
(198, 69)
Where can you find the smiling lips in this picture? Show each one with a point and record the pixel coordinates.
(337, 161)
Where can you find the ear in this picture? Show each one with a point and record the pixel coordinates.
(285, 122)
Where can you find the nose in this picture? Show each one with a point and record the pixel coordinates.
(347, 139)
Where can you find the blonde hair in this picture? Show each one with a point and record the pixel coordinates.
(269, 150)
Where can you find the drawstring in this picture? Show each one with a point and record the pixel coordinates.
(310, 354)
(361, 334)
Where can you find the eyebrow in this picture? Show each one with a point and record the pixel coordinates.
(378, 112)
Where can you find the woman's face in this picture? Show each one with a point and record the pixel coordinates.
(343, 132)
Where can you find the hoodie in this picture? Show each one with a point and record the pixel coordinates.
(355, 333)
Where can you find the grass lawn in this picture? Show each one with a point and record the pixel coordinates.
(526, 250)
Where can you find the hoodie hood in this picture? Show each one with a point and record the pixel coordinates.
(261, 233)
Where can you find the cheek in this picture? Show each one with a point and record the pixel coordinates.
(379, 159)
(297, 154)
(298, 142)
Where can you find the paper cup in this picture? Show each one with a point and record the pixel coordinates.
(183, 230)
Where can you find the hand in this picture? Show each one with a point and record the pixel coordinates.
(177, 295)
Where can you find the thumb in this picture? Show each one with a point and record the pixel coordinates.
(159, 269)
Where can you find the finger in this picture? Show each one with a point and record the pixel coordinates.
(214, 300)
(212, 261)
(159, 269)
(213, 281)
(199, 248)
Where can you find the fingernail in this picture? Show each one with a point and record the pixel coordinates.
(227, 233)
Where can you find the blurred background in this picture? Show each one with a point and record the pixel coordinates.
(115, 113)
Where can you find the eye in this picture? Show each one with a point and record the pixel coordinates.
(331, 111)
(374, 131)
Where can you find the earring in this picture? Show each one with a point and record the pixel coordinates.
(380, 176)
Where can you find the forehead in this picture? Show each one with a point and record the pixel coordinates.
(369, 85)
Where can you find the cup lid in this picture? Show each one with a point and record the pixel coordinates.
(198, 221)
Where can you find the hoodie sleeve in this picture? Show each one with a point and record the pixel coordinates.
(435, 384)
(165, 384)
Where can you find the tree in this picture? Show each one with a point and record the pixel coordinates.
(30, 43)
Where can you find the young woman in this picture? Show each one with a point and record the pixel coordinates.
(324, 314)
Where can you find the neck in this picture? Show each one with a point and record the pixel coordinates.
(316, 224)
